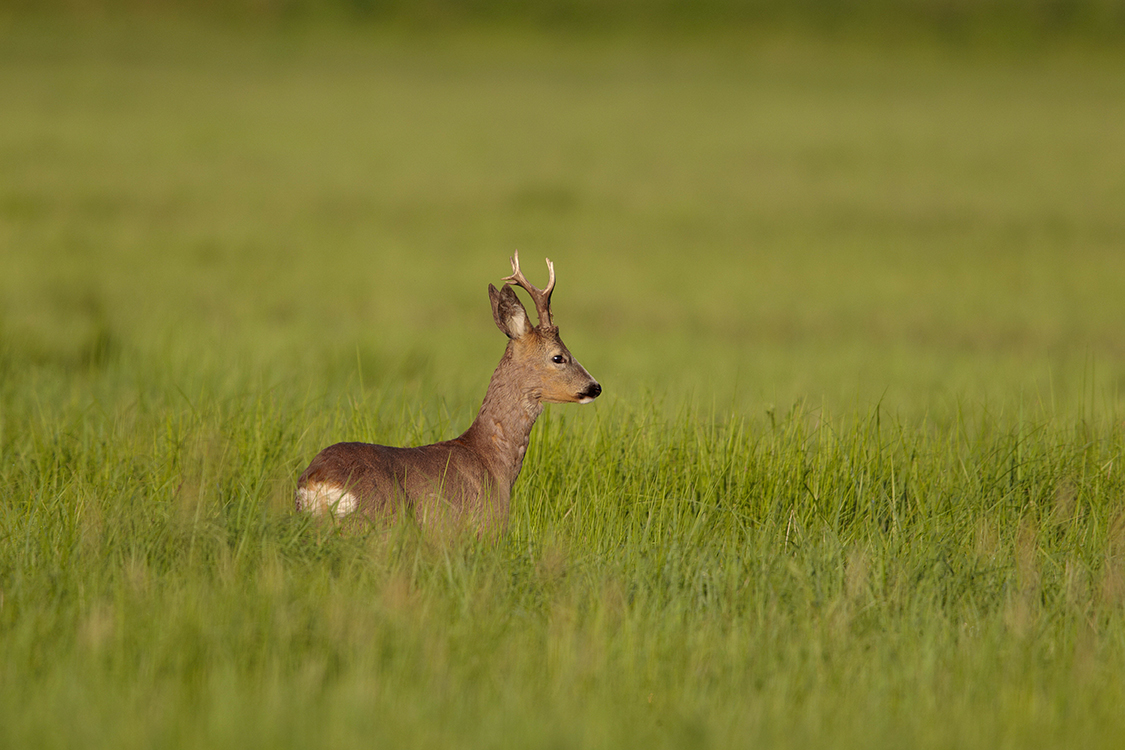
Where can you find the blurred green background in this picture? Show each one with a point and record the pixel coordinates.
(742, 212)
(960, 19)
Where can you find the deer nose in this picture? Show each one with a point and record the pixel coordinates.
(593, 391)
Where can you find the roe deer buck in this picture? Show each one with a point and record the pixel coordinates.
(466, 481)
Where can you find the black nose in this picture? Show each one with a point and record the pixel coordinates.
(593, 391)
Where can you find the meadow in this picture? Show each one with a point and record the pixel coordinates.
(855, 479)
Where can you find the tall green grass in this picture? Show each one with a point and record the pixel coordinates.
(680, 580)
(856, 478)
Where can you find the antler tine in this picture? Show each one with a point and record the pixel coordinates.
(541, 297)
(516, 276)
(551, 279)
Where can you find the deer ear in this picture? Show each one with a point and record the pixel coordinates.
(508, 311)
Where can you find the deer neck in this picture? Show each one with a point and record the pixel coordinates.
(502, 429)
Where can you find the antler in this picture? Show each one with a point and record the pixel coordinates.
(541, 297)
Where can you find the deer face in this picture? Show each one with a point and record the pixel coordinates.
(559, 377)
(553, 374)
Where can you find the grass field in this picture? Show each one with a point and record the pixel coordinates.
(855, 481)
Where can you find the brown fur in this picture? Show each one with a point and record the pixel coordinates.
(466, 481)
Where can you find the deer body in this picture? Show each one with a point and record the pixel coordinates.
(466, 481)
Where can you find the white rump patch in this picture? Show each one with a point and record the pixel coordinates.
(326, 498)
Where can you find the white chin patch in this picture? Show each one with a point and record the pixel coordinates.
(585, 399)
(326, 498)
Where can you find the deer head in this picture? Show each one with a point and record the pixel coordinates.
(548, 369)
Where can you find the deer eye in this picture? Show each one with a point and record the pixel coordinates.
(558, 359)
